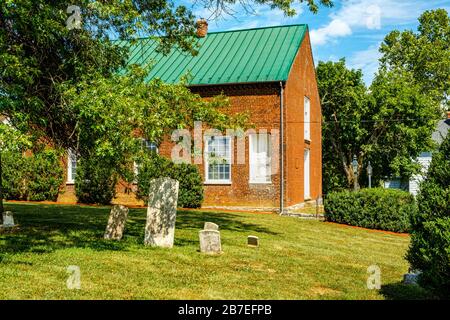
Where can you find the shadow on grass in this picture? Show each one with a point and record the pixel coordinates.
(401, 291)
(45, 228)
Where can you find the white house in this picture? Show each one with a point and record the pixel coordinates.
(424, 159)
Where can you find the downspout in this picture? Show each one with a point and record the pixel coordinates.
(281, 148)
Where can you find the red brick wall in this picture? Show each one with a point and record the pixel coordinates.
(302, 82)
(262, 101)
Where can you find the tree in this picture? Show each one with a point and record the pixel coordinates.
(219, 7)
(62, 83)
(344, 102)
(429, 250)
(426, 54)
(10, 140)
(389, 125)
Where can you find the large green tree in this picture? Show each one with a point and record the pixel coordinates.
(391, 122)
(425, 53)
(60, 80)
(388, 124)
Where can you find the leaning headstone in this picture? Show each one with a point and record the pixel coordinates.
(210, 226)
(210, 242)
(161, 212)
(8, 219)
(411, 278)
(253, 241)
(116, 222)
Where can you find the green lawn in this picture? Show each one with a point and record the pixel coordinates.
(297, 259)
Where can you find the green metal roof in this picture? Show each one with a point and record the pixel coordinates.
(238, 56)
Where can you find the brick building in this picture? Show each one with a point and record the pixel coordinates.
(270, 73)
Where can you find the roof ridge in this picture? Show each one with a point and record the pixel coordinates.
(225, 31)
(259, 28)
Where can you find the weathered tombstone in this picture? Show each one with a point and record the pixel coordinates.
(253, 241)
(210, 241)
(116, 222)
(8, 219)
(210, 226)
(161, 212)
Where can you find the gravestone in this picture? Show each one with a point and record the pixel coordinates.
(161, 212)
(253, 241)
(116, 222)
(210, 242)
(8, 219)
(210, 226)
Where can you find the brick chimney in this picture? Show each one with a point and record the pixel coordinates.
(202, 28)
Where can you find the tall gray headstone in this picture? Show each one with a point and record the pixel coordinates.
(116, 222)
(210, 241)
(210, 226)
(161, 212)
(8, 219)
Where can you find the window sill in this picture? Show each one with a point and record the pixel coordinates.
(260, 182)
(218, 182)
(70, 182)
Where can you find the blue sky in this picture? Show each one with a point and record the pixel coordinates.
(352, 29)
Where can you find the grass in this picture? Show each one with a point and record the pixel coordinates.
(297, 259)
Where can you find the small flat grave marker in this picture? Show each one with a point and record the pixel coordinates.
(253, 241)
(210, 226)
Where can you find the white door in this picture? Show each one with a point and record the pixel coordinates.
(306, 172)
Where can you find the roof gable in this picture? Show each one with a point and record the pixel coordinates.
(240, 56)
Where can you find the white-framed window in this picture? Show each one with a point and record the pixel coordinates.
(217, 160)
(150, 146)
(307, 119)
(71, 166)
(260, 158)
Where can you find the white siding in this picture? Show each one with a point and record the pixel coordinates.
(424, 160)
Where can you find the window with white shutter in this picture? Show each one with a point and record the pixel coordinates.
(307, 119)
(260, 158)
(71, 167)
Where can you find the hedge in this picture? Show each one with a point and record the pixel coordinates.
(190, 194)
(377, 208)
(36, 177)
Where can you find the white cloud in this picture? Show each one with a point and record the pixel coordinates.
(367, 61)
(367, 14)
(336, 28)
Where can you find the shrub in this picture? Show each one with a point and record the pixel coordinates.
(190, 194)
(95, 181)
(14, 176)
(378, 208)
(47, 175)
(36, 177)
(430, 237)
